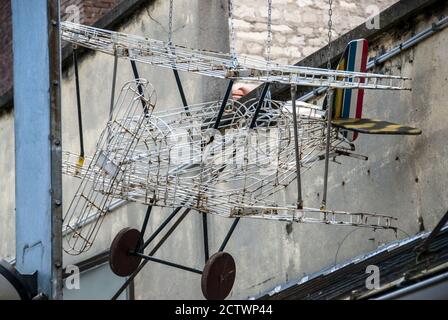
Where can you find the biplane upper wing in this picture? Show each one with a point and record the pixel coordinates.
(374, 126)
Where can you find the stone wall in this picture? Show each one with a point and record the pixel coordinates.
(299, 26)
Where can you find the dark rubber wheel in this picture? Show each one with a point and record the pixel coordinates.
(218, 276)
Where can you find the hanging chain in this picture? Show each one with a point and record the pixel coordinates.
(330, 32)
(269, 40)
(232, 32)
(170, 24)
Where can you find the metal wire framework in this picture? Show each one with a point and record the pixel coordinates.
(220, 65)
(175, 158)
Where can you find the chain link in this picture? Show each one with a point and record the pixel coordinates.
(269, 39)
(170, 23)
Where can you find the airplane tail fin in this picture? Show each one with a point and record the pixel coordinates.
(348, 103)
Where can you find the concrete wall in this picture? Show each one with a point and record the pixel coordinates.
(404, 176)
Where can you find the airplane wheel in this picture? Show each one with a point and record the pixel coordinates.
(121, 262)
(218, 276)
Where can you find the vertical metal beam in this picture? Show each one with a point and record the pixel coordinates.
(37, 122)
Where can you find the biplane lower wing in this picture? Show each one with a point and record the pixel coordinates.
(373, 126)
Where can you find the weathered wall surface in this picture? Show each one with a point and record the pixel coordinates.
(404, 176)
(299, 26)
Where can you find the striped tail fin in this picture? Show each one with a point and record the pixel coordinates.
(348, 103)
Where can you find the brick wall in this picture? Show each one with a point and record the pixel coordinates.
(299, 26)
(90, 11)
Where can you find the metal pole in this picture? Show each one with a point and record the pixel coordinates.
(296, 145)
(37, 125)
